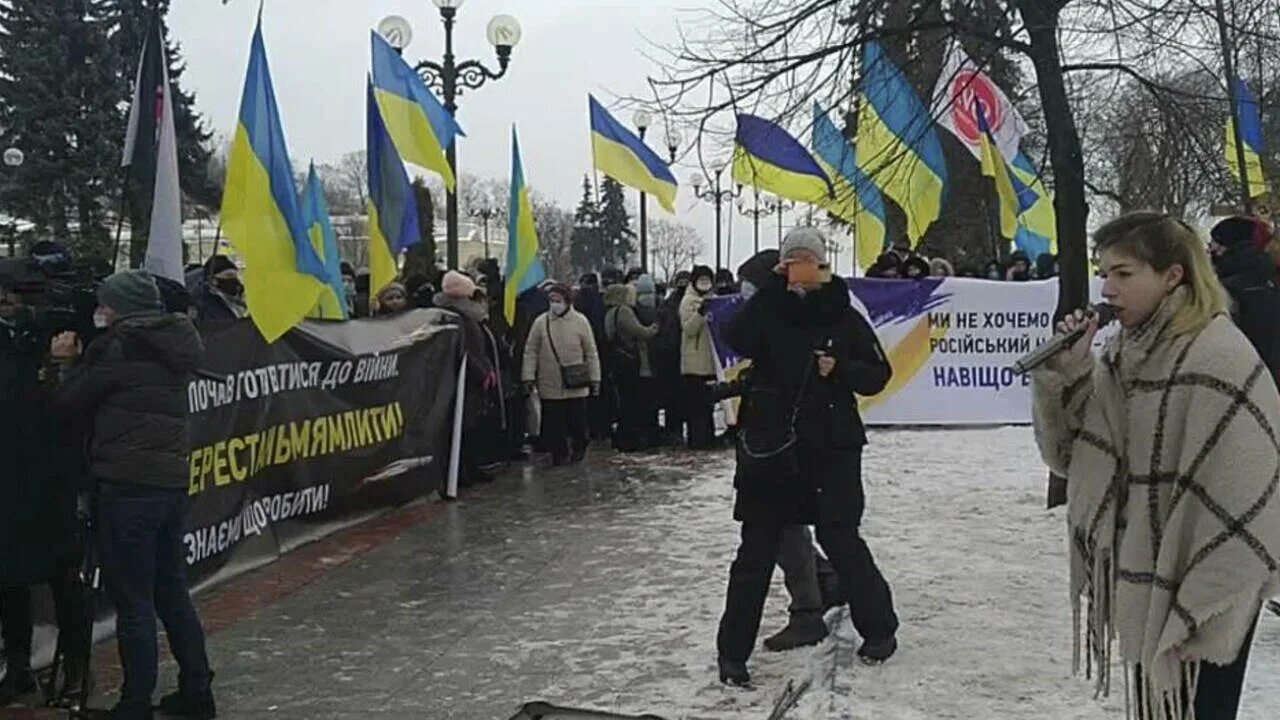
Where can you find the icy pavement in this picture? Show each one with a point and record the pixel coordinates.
(600, 586)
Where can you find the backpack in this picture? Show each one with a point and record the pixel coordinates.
(1257, 313)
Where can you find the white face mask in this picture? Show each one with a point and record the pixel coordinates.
(100, 320)
(703, 286)
(748, 289)
(559, 308)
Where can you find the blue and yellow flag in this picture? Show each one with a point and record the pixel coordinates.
(1037, 221)
(897, 145)
(994, 167)
(421, 127)
(623, 156)
(524, 266)
(283, 275)
(393, 209)
(766, 157)
(1251, 135)
(315, 217)
(857, 200)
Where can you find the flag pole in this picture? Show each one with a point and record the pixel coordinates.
(124, 203)
(1228, 63)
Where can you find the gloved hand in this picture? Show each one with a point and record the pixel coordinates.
(702, 308)
(595, 389)
(528, 387)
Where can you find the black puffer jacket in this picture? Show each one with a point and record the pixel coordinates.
(780, 332)
(131, 385)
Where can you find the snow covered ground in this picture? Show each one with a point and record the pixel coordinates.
(956, 520)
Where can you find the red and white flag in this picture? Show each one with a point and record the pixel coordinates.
(961, 86)
(151, 154)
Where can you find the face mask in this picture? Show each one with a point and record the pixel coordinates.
(748, 289)
(229, 286)
(559, 308)
(646, 301)
(100, 320)
(703, 286)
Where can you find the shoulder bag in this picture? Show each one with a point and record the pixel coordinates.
(573, 377)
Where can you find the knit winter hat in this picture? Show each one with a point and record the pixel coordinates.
(217, 264)
(645, 285)
(392, 287)
(805, 238)
(457, 285)
(701, 271)
(560, 289)
(1239, 231)
(129, 292)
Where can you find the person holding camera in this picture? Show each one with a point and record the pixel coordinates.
(40, 538)
(800, 442)
(698, 358)
(130, 384)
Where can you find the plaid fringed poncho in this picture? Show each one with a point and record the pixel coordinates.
(1169, 446)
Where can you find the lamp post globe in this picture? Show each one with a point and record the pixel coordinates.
(396, 31)
(642, 120)
(13, 157)
(718, 167)
(697, 181)
(448, 4)
(674, 139)
(503, 32)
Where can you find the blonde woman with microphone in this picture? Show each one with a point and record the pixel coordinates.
(1168, 441)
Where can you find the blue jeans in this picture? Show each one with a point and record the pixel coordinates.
(140, 543)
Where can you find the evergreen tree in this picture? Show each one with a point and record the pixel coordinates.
(586, 246)
(60, 104)
(130, 20)
(421, 258)
(616, 234)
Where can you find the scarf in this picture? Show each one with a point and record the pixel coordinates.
(1170, 451)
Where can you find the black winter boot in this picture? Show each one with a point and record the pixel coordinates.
(18, 681)
(877, 652)
(194, 707)
(801, 631)
(733, 672)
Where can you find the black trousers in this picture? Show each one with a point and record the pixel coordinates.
(868, 594)
(637, 414)
(698, 411)
(1219, 689)
(564, 427)
(17, 623)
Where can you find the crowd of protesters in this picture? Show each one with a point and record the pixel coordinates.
(617, 357)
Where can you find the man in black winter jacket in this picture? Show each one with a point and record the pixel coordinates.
(1249, 276)
(130, 384)
(801, 439)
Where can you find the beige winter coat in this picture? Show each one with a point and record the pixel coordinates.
(1170, 452)
(574, 343)
(697, 356)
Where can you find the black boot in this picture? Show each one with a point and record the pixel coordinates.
(195, 707)
(733, 672)
(18, 681)
(877, 651)
(131, 711)
(76, 687)
(801, 631)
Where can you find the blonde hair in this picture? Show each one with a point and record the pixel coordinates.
(1163, 241)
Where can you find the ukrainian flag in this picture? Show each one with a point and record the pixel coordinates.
(393, 209)
(766, 157)
(1037, 221)
(623, 156)
(994, 167)
(1251, 134)
(857, 199)
(420, 125)
(315, 217)
(524, 266)
(283, 275)
(897, 144)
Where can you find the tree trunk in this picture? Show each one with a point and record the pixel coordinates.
(1065, 153)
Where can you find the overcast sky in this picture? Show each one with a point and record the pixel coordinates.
(319, 55)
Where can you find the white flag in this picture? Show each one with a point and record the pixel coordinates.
(961, 86)
(164, 243)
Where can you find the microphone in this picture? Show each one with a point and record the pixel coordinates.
(1056, 344)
